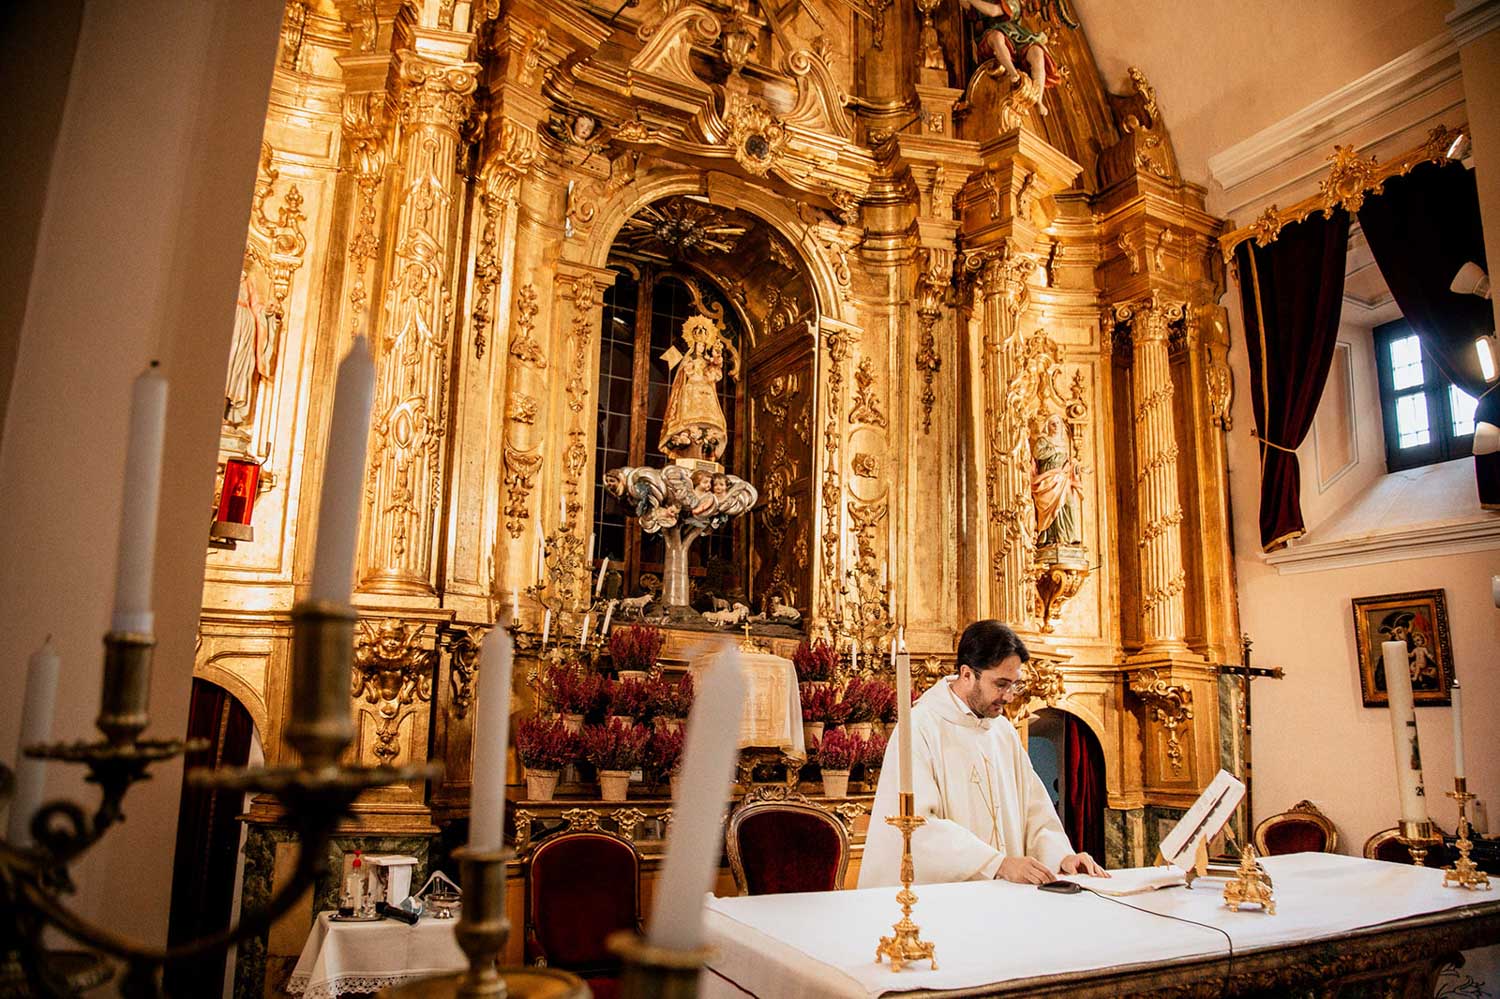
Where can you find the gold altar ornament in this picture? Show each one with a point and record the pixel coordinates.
(907, 945)
(1417, 837)
(1250, 885)
(1464, 873)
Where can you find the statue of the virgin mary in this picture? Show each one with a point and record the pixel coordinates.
(694, 425)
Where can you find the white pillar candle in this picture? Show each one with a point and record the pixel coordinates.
(1404, 732)
(491, 738)
(343, 477)
(1458, 731)
(583, 631)
(541, 554)
(546, 626)
(903, 719)
(137, 543)
(36, 726)
(599, 585)
(515, 608)
(609, 613)
(708, 757)
(591, 547)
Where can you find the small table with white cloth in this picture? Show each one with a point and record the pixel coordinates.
(341, 957)
(1337, 918)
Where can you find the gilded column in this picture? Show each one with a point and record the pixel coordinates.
(1160, 504)
(584, 289)
(1007, 468)
(405, 480)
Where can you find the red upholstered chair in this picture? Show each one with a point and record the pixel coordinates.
(777, 841)
(1302, 829)
(1386, 845)
(580, 888)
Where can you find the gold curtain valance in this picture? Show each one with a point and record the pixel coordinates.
(1349, 180)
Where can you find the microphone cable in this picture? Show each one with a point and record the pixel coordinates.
(1229, 968)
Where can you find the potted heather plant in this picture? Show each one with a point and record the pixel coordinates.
(815, 663)
(664, 756)
(881, 697)
(544, 746)
(634, 649)
(614, 750)
(836, 755)
(871, 756)
(817, 699)
(835, 713)
(573, 691)
(858, 711)
(627, 700)
(671, 700)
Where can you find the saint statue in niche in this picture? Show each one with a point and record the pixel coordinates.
(1056, 482)
(1004, 38)
(694, 425)
(252, 354)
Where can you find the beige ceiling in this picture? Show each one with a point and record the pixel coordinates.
(1225, 69)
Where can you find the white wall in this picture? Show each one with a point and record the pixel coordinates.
(137, 257)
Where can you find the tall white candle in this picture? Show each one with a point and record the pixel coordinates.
(1458, 731)
(36, 726)
(1404, 732)
(137, 550)
(515, 608)
(541, 554)
(546, 626)
(491, 738)
(562, 510)
(591, 547)
(903, 718)
(609, 613)
(599, 585)
(343, 478)
(708, 757)
(583, 631)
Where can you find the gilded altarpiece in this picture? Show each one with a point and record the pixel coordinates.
(984, 363)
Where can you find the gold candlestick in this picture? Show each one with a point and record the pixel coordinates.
(1417, 837)
(1464, 873)
(482, 932)
(656, 972)
(907, 945)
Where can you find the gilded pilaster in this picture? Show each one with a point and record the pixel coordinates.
(582, 290)
(1162, 576)
(410, 424)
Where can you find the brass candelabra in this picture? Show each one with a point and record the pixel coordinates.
(907, 945)
(1418, 837)
(318, 794)
(866, 615)
(1464, 873)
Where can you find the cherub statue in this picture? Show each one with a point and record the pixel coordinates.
(1003, 37)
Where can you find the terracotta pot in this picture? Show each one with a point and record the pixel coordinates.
(812, 732)
(836, 783)
(861, 730)
(541, 785)
(627, 720)
(614, 785)
(573, 723)
(633, 674)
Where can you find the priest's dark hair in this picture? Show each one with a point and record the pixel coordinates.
(986, 644)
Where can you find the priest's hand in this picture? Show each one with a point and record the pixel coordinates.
(1023, 871)
(1082, 863)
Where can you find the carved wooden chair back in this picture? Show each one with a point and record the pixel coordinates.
(778, 841)
(580, 888)
(1300, 829)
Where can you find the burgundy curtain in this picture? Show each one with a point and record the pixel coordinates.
(1084, 821)
(1291, 292)
(208, 837)
(1421, 229)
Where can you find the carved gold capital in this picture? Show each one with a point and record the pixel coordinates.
(1169, 704)
(436, 94)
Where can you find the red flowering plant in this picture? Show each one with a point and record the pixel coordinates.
(627, 698)
(859, 701)
(872, 752)
(671, 698)
(572, 689)
(615, 746)
(881, 697)
(837, 751)
(635, 647)
(664, 753)
(815, 662)
(544, 744)
(817, 701)
(836, 711)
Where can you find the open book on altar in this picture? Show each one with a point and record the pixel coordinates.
(1183, 849)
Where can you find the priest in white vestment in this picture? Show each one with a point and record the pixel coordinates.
(988, 815)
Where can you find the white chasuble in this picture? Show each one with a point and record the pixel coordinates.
(975, 786)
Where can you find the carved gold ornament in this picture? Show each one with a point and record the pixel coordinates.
(463, 668)
(757, 138)
(393, 673)
(1170, 705)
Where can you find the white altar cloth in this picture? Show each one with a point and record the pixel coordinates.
(341, 957)
(823, 944)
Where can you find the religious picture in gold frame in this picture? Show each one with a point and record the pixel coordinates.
(1420, 620)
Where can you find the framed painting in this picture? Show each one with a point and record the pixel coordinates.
(1419, 619)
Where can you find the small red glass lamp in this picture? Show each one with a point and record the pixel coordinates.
(236, 504)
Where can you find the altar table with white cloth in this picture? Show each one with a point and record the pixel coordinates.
(992, 932)
(344, 957)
